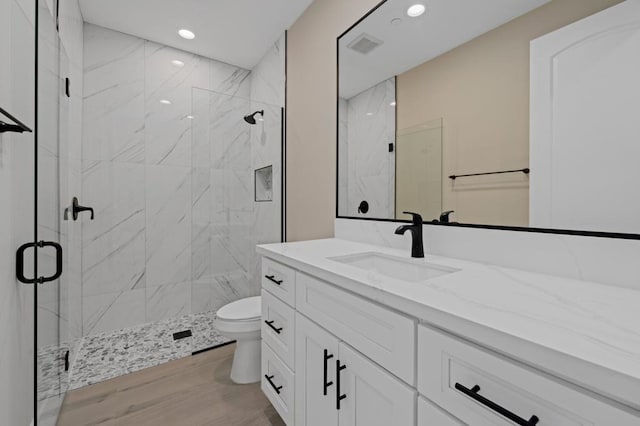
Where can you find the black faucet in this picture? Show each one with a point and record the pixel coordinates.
(417, 247)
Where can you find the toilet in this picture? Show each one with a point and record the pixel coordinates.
(240, 321)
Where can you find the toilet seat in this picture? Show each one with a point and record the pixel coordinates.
(249, 309)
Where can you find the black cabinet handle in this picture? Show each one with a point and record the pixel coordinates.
(275, 388)
(339, 397)
(20, 262)
(270, 324)
(473, 394)
(327, 357)
(272, 278)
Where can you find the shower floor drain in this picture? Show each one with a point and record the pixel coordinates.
(182, 334)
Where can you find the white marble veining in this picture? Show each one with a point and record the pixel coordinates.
(111, 311)
(167, 126)
(113, 245)
(168, 225)
(582, 331)
(114, 110)
(168, 301)
(370, 128)
(268, 76)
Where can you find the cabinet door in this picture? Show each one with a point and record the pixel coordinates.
(316, 354)
(372, 396)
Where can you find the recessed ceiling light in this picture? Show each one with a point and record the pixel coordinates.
(392, 103)
(369, 113)
(190, 117)
(416, 10)
(188, 34)
(177, 63)
(165, 101)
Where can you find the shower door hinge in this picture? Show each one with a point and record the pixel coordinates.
(67, 87)
(20, 262)
(66, 361)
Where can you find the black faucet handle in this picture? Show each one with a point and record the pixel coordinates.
(76, 208)
(417, 218)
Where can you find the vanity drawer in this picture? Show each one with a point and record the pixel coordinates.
(431, 415)
(277, 384)
(280, 280)
(278, 327)
(384, 336)
(474, 384)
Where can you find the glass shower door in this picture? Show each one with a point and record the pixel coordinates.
(51, 175)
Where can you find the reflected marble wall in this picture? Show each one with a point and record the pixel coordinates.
(368, 170)
(172, 183)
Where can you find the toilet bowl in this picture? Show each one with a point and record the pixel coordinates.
(240, 321)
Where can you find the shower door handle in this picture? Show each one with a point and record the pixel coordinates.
(20, 262)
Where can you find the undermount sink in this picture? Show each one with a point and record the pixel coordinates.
(411, 270)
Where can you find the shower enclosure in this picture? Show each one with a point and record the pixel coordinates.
(198, 221)
(226, 198)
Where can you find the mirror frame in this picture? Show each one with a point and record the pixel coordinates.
(625, 236)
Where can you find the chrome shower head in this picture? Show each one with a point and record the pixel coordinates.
(251, 118)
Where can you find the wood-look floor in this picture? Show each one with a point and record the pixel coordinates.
(191, 391)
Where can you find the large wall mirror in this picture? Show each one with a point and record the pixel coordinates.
(507, 113)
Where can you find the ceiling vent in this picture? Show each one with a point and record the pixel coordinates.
(364, 44)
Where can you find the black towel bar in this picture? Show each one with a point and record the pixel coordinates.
(19, 127)
(526, 171)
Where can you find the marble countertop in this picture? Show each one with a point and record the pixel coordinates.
(584, 332)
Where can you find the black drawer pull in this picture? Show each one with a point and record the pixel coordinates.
(327, 357)
(275, 388)
(339, 397)
(270, 324)
(473, 394)
(272, 278)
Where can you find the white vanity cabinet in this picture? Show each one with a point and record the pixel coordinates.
(334, 358)
(337, 386)
(483, 388)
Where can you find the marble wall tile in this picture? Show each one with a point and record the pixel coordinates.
(200, 139)
(230, 135)
(343, 159)
(168, 126)
(268, 76)
(113, 119)
(168, 225)
(212, 294)
(370, 129)
(113, 311)
(168, 301)
(201, 210)
(114, 243)
(229, 80)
